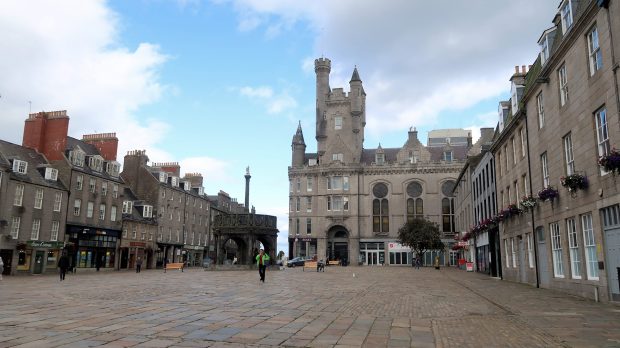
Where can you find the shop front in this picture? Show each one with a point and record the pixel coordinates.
(400, 255)
(372, 252)
(131, 251)
(193, 255)
(92, 247)
(482, 253)
(304, 247)
(38, 257)
(169, 253)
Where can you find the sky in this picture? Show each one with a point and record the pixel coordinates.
(219, 85)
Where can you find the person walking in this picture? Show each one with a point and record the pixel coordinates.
(417, 262)
(138, 265)
(261, 262)
(1, 267)
(63, 265)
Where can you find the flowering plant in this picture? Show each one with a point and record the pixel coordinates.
(548, 193)
(514, 210)
(611, 161)
(528, 202)
(574, 182)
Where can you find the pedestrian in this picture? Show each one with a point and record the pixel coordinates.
(261, 261)
(98, 263)
(63, 265)
(1, 267)
(138, 265)
(417, 262)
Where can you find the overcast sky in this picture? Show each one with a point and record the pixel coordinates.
(220, 85)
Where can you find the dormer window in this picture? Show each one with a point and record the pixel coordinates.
(163, 177)
(127, 207)
(147, 211)
(51, 174)
(566, 12)
(174, 181)
(544, 49)
(96, 163)
(447, 156)
(187, 185)
(77, 157)
(201, 191)
(20, 167)
(337, 157)
(113, 168)
(380, 158)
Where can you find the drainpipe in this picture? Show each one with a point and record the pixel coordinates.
(529, 170)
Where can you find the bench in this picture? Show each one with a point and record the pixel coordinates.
(333, 263)
(313, 265)
(178, 265)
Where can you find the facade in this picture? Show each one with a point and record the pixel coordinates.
(33, 203)
(347, 202)
(181, 210)
(139, 233)
(88, 168)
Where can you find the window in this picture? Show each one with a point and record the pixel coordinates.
(590, 247)
(507, 253)
(514, 252)
(415, 208)
(568, 155)
(506, 157)
(57, 201)
(297, 226)
(508, 194)
(51, 174)
(602, 135)
(563, 85)
(298, 184)
(544, 50)
(566, 12)
(148, 211)
(92, 185)
(104, 188)
(516, 183)
(20, 167)
(514, 151)
(337, 203)
(309, 204)
(36, 228)
(175, 181)
(556, 247)
(379, 158)
(447, 156)
(77, 204)
(541, 110)
(77, 158)
(545, 170)
(38, 198)
(19, 195)
(134, 231)
(308, 226)
(522, 136)
(380, 215)
(594, 51)
(90, 207)
(101, 211)
(297, 204)
(526, 189)
(113, 168)
(338, 122)
(573, 247)
(499, 163)
(54, 232)
(96, 163)
(79, 182)
(530, 251)
(15, 227)
(338, 183)
(127, 207)
(337, 157)
(115, 190)
(113, 213)
(309, 183)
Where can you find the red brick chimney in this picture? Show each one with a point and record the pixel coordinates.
(46, 132)
(172, 168)
(106, 143)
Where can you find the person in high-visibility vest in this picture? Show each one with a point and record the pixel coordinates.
(261, 261)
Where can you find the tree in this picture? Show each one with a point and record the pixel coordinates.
(420, 235)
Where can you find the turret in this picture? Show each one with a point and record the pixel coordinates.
(299, 148)
(322, 68)
(357, 97)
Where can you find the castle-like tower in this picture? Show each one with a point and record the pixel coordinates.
(347, 202)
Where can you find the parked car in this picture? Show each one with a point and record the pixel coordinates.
(298, 261)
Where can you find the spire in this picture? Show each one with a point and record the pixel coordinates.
(298, 138)
(356, 75)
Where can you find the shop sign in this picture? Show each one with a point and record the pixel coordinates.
(307, 239)
(469, 266)
(394, 246)
(43, 244)
(137, 244)
(462, 243)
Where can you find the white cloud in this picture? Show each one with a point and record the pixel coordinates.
(68, 57)
(485, 120)
(212, 169)
(416, 58)
(274, 103)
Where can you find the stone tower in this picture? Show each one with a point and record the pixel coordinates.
(299, 148)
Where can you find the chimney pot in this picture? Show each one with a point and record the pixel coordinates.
(516, 69)
(523, 69)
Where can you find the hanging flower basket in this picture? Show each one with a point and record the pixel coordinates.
(514, 210)
(528, 202)
(574, 182)
(611, 161)
(548, 193)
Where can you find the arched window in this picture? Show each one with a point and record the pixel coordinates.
(415, 204)
(447, 207)
(380, 209)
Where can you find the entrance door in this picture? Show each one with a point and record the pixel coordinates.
(522, 274)
(543, 266)
(611, 226)
(372, 258)
(38, 262)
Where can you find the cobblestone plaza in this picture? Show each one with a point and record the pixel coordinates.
(343, 307)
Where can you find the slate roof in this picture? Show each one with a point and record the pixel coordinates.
(89, 150)
(35, 173)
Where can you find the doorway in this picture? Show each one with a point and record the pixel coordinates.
(7, 258)
(38, 262)
(543, 270)
(338, 245)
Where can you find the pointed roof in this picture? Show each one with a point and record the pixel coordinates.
(355, 76)
(298, 138)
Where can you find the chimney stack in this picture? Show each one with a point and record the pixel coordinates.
(46, 133)
(523, 69)
(172, 168)
(106, 143)
(516, 69)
